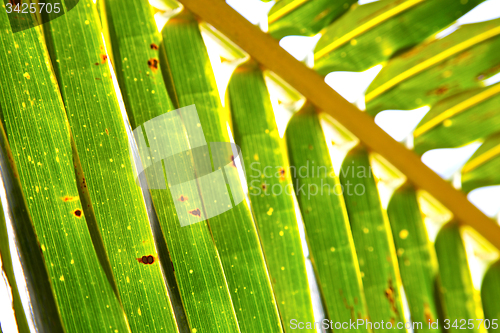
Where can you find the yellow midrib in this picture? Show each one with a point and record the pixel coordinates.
(481, 159)
(365, 27)
(460, 107)
(432, 61)
(285, 10)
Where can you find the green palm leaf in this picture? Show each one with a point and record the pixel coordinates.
(459, 120)
(437, 69)
(304, 17)
(373, 240)
(490, 293)
(455, 282)
(135, 43)
(325, 219)
(119, 212)
(39, 137)
(190, 80)
(482, 168)
(5, 256)
(416, 256)
(268, 181)
(43, 305)
(141, 226)
(370, 34)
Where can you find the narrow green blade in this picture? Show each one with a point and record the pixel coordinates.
(325, 218)
(437, 69)
(416, 256)
(482, 168)
(38, 134)
(490, 294)
(459, 120)
(43, 305)
(186, 68)
(5, 255)
(102, 145)
(373, 240)
(135, 43)
(255, 131)
(370, 34)
(455, 282)
(302, 17)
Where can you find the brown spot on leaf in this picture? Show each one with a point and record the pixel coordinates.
(488, 72)
(183, 198)
(147, 260)
(153, 64)
(441, 90)
(322, 14)
(282, 173)
(310, 147)
(97, 78)
(428, 313)
(69, 198)
(232, 161)
(77, 212)
(347, 306)
(195, 212)
(107, 132)
(389, 294)
(97, 64)
(154, 46)
(104, 57)
(264, 186)
(410, 53)
(464, 55)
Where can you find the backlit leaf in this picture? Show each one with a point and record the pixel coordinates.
(113, 201)
(39, 137)
(455, 282)
(490, 294)
(373, 240)
(325, 219)
(270, 190)
(136, 43)
(190, 80)
(459, 120)
(304, 17)
(370, 34)
(416, 256)
(482, 168)
(43, 305)
(435, 70)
